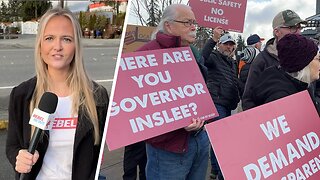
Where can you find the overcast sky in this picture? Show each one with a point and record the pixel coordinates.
(259, 14)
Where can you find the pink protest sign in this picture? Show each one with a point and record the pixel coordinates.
(156, 92)
(227, 14)
(278, 140)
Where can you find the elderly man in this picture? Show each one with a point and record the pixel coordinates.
(222, 80)
(285, 22)
(183, 153)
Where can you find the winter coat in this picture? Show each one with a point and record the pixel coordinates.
(222, 81)
(274, 83)
(85, 155)
(267, 58)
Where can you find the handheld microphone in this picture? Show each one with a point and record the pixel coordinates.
(40, 118)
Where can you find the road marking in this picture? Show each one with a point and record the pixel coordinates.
(6, 87)
(17, 49)
(98, 81)
(103, 80)
(32, 48)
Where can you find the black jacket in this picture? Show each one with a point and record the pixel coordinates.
(267, 58)
(86, 154)
(274, 83)
(314, 91)
(243, 75)
(222, 80)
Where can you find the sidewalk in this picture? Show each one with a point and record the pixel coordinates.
(112, 164)
(4, 112)
(28, 41)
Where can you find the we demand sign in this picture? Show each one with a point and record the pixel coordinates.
(278, 140)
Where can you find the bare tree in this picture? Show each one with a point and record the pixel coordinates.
(203, 34)
(149, 12)
(61, 3)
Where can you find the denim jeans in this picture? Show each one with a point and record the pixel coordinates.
(191, 165)
(215, 168)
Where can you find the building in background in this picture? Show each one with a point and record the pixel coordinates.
(98, 19)
(313, 26)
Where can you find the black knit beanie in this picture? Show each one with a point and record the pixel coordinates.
(295, 52)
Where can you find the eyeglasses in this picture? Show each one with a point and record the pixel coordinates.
(187, 23)
(294, 29)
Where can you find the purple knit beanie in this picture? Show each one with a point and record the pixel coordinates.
(295, 52)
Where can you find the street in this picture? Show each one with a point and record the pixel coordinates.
(17, 65)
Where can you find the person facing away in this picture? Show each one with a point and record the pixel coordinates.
(68, 150)
(249, 53)
(222, 81)
(285, 22)
(299, 67)
(183, 153)
(253, 42)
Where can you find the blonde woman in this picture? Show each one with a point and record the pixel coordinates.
(70, 149)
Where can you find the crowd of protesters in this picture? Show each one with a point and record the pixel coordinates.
(288, 64)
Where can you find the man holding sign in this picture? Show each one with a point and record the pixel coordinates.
(222, 79)
(182, 153)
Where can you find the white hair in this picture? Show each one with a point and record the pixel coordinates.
(303, 75)
(169, 14)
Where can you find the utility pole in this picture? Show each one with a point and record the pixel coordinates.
(317, 7)
(36, 10)
(62, 3)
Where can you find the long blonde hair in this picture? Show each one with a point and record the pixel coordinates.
(79, 83)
